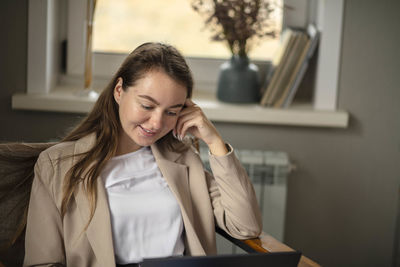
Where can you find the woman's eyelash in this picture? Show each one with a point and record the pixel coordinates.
(146, 107)
(171, 113)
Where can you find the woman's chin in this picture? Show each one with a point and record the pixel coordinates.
(146, 140)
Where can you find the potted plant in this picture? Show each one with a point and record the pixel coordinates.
(240, 24)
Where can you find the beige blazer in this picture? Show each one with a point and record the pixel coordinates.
(226, 198)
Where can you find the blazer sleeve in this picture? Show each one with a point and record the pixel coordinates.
(44, 238)
(233, 198)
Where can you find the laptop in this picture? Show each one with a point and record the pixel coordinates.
(274, 259)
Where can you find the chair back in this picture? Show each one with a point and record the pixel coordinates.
(17, 161)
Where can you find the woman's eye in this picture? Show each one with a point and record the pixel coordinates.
(146, 107)
(171, 113)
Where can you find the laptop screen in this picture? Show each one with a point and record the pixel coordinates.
(275, 259)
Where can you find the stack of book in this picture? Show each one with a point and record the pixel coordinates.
(288, 66)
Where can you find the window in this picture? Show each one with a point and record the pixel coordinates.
(122, 25)
(205, 68)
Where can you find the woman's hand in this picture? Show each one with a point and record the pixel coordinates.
(192, 120)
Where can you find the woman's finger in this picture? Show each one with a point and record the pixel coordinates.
(189, 109)
(182, 120)
(189, 102)
(192, 111)
(191, 127)
(193, 120)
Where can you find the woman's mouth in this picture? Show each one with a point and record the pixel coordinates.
(147, 132)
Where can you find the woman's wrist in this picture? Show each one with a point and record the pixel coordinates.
(218, 147)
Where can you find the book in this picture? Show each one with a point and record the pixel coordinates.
(298, 74)
(284, 41)
(285, 91)
(287, 40)
(290, 66)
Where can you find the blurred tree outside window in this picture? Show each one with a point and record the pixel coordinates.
(122, 25)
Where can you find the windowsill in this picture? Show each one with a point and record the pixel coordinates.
(63, 100)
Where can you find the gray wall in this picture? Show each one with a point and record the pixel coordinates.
(22, 125)
(342, 200)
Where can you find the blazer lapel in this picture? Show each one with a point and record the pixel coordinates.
(98, 231)
(177, 178)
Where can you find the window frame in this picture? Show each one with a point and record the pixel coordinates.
(44, 52)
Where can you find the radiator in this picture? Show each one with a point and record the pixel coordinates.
(268, 171)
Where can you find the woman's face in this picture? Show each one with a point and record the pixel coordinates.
(148, 110)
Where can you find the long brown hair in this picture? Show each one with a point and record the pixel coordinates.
(17, 160)
(104, 121)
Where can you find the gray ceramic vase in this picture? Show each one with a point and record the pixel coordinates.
(238, 81)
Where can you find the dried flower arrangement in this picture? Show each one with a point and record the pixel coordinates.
(241, 23)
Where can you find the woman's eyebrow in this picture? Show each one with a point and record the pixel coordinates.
(155, 101)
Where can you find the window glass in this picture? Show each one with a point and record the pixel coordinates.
(122, 25)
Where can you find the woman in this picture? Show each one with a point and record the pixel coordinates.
(123, 186)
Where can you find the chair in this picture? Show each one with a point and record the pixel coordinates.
(16, 174)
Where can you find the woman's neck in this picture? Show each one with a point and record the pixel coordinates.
(126, 145)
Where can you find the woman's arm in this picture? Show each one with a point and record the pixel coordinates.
(232, 195)
(44, 234)
(233, 198)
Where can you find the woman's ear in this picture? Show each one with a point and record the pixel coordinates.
(118, 90)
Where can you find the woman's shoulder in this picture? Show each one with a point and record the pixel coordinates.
(54, 163)
(59, 150)
(67, 149)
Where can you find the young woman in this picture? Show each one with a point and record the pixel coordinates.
(124, 185)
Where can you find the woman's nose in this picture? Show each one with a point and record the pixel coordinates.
(156, 120)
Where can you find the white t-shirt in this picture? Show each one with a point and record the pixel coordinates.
(145, 216)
